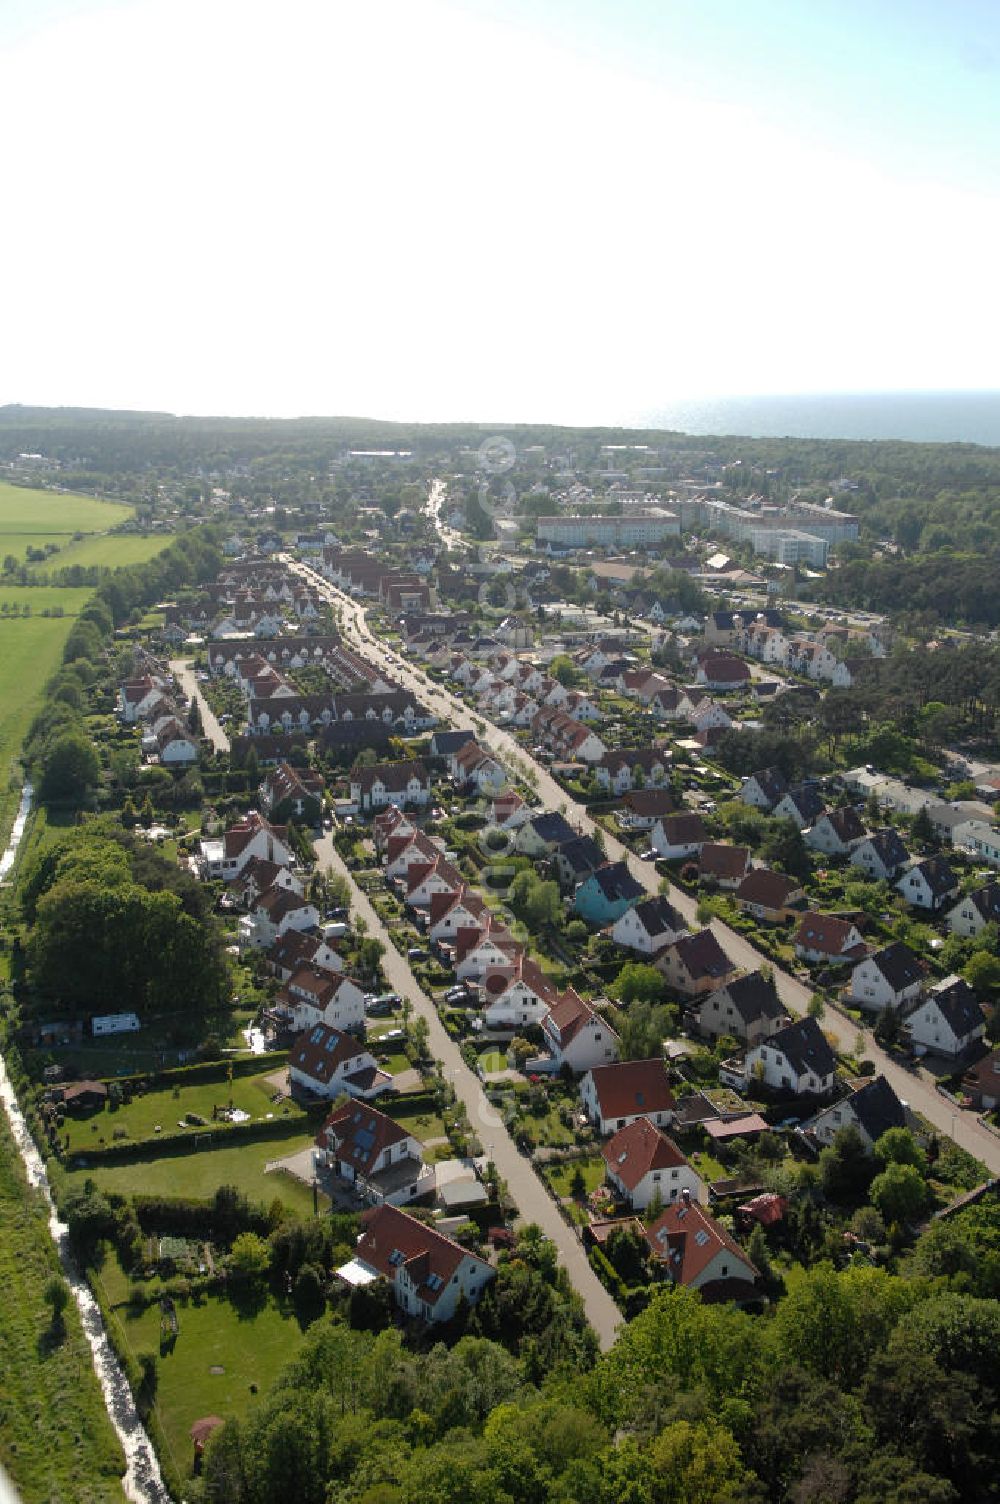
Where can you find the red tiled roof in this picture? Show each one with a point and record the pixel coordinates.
(636, 1149)
(687, 1239)
(392, 1239)
(632, 1086)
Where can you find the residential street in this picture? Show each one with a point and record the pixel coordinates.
(915, 1087)
(183, 671)
(533, 1200)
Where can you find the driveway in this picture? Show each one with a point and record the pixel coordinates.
(914, 1087)
(183, 672)
(533, 1200)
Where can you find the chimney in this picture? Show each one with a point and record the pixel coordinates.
(686, 1196)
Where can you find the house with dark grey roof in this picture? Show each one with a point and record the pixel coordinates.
(540, 835)
(648, 926)
(949, 1020)
(748, 1008)
(872, 1107)
(763, 789)
(803, 804)
(695, 964)
(880, 855)
(836, 831)
(975, 910)
(928, 884)
(795, 1059)
(574, 862)
(605, 895)
(889, 978)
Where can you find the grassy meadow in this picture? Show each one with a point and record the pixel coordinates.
(56, 1441)
(110, 550)
(34, 518)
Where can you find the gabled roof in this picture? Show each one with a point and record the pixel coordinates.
(277, 902)
(658, 916)
(958, 1005)
(701, 955)
(719, 860)
(877, 1108)
(804, 1046)
(447, 742)
(392, 1240)
(635, 1150)
(687, 1239)
(359, 1135)
(322, 1051)
(771, 890)
(649, 802)
(754, 997)
(807, 800)
(568, 1016)
(828, 933)
(845, 822)
(936, 873)
(295, 948)
(582, 855)
(899, 966)
(632, 1086)
(552, 828)
(394, 776)
(888, 846)
(771, 782)
(683, 829)
(986, 902)
(616, 882)
(442, 903)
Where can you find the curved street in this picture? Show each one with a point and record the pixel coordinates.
(913, 1086)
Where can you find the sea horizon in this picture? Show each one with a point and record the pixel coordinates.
(913, 417)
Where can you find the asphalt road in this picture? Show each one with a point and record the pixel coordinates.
(183, 672)
(913, 1086)
(533, 1200)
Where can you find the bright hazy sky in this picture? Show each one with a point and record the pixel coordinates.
(573, 210)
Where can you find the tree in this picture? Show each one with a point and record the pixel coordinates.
(922, 830)
(70, 769)
(899, 1193)
(637, 982)
(698, 1463)
(898, 1146)
(249, 1259)
(784, 848)
(845, 1167)
(564, 670)
(982, 971)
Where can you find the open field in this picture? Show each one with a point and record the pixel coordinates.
(112, 550)
(166, 1108)
(201, 1172)
(55, 1437)
(30, 652)
(248, 1347)
(31, 518)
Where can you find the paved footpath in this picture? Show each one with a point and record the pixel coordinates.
(533, 1200)
(913, 1086)
(183, 672)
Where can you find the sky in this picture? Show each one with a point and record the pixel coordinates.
(563, 210)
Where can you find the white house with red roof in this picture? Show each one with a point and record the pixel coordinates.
(485, 949)
(517, 995)
(453, 911)
(405, 850)
(641, 1163)
(615, 1095)
(695, 1251)
(381, 1160)
(137, 697)
(509, 810)
(479, 768)
(427, 878)
(391, 822)
(272, 915)
(252, 836)
(576, 1036)
(326, 1062)
(429, 1273)
(295, 949)
(313, 996)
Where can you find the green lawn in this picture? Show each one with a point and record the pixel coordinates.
(138, 1120)
(32, 517)
(56, 1441)
(212, 1334)
(493, 1060)
(201, 1172)
(112, 550)
(560, 1176)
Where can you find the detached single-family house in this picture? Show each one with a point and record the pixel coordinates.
(802, 804)
(677, 836)
(748, 1008)
(574, 862)
(979, 837)
(795, 1059)
(295, 949)
(768, 896)
(873, 1108)
(723, 864)
(174, 746)
(253, 836)
(763, 790)
(631, 768)
(982, 1082)
(605, 895)
(928, 884)
(696, 1252)
(648, 926)
(615, 1095)
(429, 1273)
(836, 832)
(880, 855)
(516, 995)
(722, 671)
(828, 937)
(382, 1161)
(540, 835)
(642, 1163)
(695, 964)
(289, 793)
(975, 911)
(479, 769)
(576, 1036)
(888, 978)
(641, 808)
(312, 996)
(456, 910)
(327, 1061)
(949, 1020)
(273, 914)
(509, 810)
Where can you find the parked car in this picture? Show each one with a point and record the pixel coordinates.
(416, 953)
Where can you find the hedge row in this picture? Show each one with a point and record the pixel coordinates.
(203, 1071)
(165, 1145)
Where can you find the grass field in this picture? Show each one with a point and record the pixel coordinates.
(111, 549)
(56, 1441)
(34, 518)
(202, 1171)
(560, 1176)
(139, 1118)
(250, 1349)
